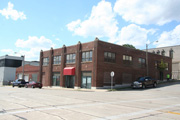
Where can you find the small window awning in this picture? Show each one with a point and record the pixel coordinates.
(69, 71)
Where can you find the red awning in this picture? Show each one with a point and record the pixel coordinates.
(69, 71)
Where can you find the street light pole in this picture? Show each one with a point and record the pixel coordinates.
(147, 64)
(23, 56)
(147, 69)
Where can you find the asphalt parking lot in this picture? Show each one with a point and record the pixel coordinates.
(161, 103)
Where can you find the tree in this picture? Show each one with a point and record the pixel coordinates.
(162, 66)
(129, 46)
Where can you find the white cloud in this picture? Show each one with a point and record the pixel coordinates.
(30, 48)
(133, 34)
(148, 11)
(7, 51)
(9, 12)
(34, 42)
(101, 23)
(169, 38)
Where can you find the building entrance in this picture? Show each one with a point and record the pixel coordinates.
(69, 83)
(86, 80)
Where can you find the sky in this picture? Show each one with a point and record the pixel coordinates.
(28, 26)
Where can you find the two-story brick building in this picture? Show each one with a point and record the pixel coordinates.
(88, 65)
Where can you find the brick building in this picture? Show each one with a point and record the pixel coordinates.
(88, 65)
(31, 72)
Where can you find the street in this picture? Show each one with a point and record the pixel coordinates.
(161, 103)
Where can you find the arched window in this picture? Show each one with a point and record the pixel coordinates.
(171, 53)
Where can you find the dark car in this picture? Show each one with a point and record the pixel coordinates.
(143, 82)
(34, 84)
(19, 83)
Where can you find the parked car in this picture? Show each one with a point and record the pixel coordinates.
(19, 83)
(143, 82)
(34, 84)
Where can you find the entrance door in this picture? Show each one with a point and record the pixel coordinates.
(56, 79)
(86, 82)
(70, 81)
(89, 82)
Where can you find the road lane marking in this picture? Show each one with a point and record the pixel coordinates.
(136, 113)
(173, 113)
(78, 106)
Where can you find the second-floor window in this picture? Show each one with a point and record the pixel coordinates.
(127, 59)
(87, 56)
(57, 60)
(45, 61)
(109, 57)
(70, 58)
(142, 62)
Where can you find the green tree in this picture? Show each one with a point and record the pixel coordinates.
(162, 66)
(129, 46)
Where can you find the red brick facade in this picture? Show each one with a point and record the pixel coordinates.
(98, 68)
(29, 70)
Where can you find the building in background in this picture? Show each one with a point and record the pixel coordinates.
(88, 65)
(31, 71)
(8, 65)
(174, 53)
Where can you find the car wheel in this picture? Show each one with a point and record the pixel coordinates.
(32, 86)
(26, 86)
(40, 87)
(19, 86)
(155, 84)
(143, 86)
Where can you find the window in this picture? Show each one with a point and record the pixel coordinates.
(171, 53)
(127, 59)
(163, 53)
(57, 60)
(156, 64)
(56, 79)
(70, 58)
(45, 61)
(86, 80)
(109, 57)
(34, 77)
(10, 63)
(142, 62)
(167, 66)
(87, 56)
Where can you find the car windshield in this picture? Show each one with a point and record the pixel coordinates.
(140, 79)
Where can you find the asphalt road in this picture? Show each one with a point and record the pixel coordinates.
(161, 103)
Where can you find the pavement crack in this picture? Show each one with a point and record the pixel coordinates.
(22, 118)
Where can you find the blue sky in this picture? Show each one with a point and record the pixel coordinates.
(27, 26)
